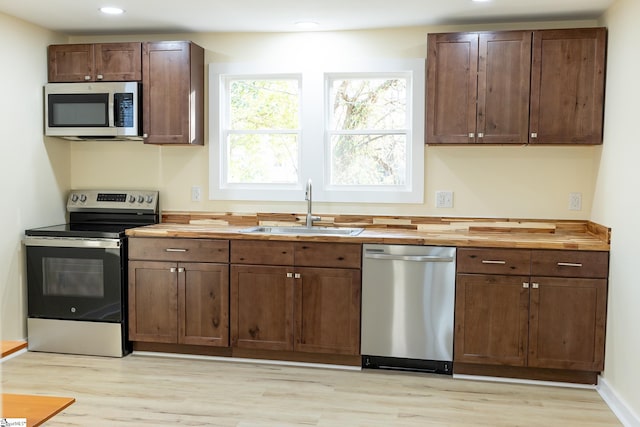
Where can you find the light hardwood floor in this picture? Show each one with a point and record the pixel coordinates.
(141, 390)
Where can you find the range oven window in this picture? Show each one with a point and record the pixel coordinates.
(73, 277)
(76, 283)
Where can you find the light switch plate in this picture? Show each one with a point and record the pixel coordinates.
(444, 199)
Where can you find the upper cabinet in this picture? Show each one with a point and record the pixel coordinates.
(173, 93)
(567, 86)
(516, 87)
(95, 62)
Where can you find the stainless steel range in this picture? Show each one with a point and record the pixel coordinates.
(77, 273)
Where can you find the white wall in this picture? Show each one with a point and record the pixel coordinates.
(34, 174)
(617, 201)
(516, 182)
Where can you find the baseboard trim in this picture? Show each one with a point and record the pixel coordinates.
(620, 408)
(247, 360)
(521, 381)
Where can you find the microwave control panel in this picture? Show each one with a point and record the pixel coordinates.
(123, 103)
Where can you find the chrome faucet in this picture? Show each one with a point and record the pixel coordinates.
(307, 197)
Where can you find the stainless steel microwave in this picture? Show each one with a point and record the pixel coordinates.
(100, 110)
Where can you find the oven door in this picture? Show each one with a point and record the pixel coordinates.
(77, 279)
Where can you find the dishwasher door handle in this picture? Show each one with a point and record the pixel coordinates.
(414, 258)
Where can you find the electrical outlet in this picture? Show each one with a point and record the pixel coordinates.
(575, 201)
(444, 199)
(196, 193)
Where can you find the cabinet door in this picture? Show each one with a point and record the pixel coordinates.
(70, 63)
(491, 319)
(153, 301)
(452, 66)
(261, 307)
(203, 302)
(567, 325)
(567, 86)
(504, 72)
(327, 305)
(173, 90)
(118, 61)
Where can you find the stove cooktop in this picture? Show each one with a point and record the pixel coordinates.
(103, 231)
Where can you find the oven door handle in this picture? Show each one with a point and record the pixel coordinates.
(61, 242)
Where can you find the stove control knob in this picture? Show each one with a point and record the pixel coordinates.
(132, 199)
(149, 199)
(140, 199)
(83, 198)
(73, 309)
(74, 198)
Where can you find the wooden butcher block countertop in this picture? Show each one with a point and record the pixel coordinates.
(490, 233)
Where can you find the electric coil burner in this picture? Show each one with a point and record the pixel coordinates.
(77, 273)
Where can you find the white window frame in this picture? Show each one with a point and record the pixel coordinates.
(315, 151)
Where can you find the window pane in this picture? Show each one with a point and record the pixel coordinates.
(368, 159)
(358, 104)
(262, 158)
(264, 104)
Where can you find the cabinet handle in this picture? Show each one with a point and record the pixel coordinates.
(472, 135)
(535, 285)
(488, 261)
(297, 275)
(100, 76)
(480, 135)
(145, 135)
(172, 269)
(176, 250)
(534, 134)
(180, 269)
(87, 77)
(525, 285)
(569, 264)
(289, 275)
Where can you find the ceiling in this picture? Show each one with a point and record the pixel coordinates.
(81, 17)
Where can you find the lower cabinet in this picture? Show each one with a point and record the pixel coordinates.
(179, 302)
(550, 314)
(292, 307)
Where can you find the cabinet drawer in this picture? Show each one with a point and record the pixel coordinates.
(494, 261)
(333, 255)
(175, 249)
(570, 263)
(261, 252)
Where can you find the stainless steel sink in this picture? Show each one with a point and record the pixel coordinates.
(308, 231)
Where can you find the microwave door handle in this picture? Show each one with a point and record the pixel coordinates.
(113, 108)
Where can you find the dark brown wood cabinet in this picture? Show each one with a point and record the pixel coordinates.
(172, 300)
(531, 308)
(107, 62)
(567, 86)
(173, 93)
(478, 87)
(516, 87)
(295, 296)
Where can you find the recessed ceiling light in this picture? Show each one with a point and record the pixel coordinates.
(112, 10)
(307, 25)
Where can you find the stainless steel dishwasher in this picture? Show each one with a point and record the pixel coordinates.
(408, 296)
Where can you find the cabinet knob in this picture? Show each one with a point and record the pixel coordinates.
(480, 135)
(297, 275)
(525, 285)
(180, 269)
(99, 76)
(172, 269)
(289, 275)
(87, 77)
(535, 285)
(534, 134)
(145, 135)
(472, 135)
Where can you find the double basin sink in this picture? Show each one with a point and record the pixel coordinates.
(307, 231)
